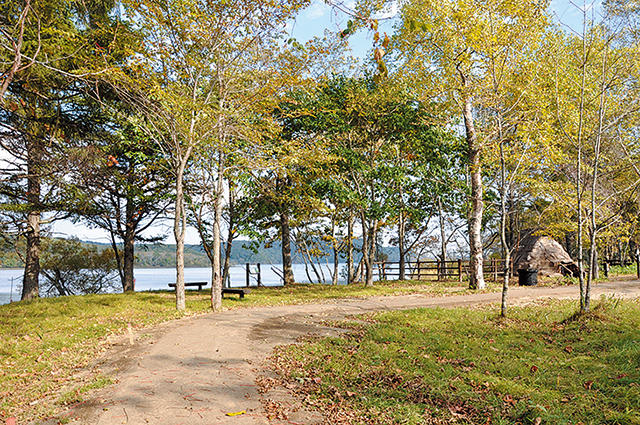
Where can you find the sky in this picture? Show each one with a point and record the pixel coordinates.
(312, 22)
(315, 18)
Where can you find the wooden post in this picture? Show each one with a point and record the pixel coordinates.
(419, 269)
(248, 274)
(606, 269)
(259, 276)
(459, 270)
(495, 270)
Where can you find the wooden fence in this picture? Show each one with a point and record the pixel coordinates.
(623, 263)
(437, 270)
(457, 269)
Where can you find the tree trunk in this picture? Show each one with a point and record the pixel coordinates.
(336, 253)
(35, 154)
(371, 257)
(365, 247)
(368, 248)
(359, 271)
(304, 250)
(476, 276)
(306, 266)
(180, 295)
(58, 282)
(443, 240)
(578, 183)
(336, 266)
(287, 267)
(593, 257)
(595, 268)
(227, 259)
(30, 281)
(350, 271)
(216, 277)
(179, 232)
(230, 236)
(401, 252)
(118, 257)
(506, 249)
(637, 262)
(128, 284)
(368, 267)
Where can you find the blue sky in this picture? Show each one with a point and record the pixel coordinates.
(320, 16)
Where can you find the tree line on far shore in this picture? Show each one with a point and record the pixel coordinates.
(163, 255)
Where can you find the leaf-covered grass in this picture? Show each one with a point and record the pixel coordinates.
(45, 344)
(434, 366)
(313, 293)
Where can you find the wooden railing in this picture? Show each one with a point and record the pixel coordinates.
(437, 270)
(623, 263)
(457, 269)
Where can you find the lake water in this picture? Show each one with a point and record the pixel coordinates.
(150, 279)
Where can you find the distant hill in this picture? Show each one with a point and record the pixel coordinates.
(194, 255)
(162, 255)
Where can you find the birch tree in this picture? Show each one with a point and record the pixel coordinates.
(177, 83)
(450, 46)
(595, 103)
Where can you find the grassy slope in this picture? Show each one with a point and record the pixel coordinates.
(46, 345)
(541, 365)
(46, 342)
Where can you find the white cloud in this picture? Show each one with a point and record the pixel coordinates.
(288, 27)
(316, 10)
(390, 10)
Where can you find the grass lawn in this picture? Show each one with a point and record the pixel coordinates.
(543, 364)
(47, 345)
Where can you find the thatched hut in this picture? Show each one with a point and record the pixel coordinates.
(544, 254)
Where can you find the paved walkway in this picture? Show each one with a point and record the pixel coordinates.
(202, 369)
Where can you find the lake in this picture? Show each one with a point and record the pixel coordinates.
(150, 279)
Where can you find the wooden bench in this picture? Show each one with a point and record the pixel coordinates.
(239, 291)
(186, 285)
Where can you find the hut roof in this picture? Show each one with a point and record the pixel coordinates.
(542, 253)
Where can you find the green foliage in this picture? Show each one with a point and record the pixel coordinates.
(389, 157)
(10, 246)
(631, 269)
(128, 183)
(425, 366)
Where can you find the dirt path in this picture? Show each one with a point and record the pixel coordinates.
(199, 370)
